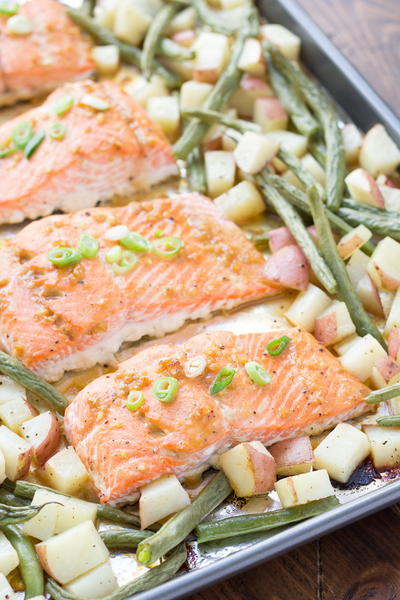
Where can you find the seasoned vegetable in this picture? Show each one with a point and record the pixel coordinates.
(195, 171)
(213, 116)
(152, 39)
(382, 224)
(180, 525)
(225, 528)
(31, 571)
(390, 421)
(386, 393)
(124, 538)
(11, 515)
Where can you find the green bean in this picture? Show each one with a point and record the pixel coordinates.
(381, 224)
(210, 17)
(232, 526)
(386, 393)
(11, 515)
(90, 5)
(153, 36)
(153, 577)
(299, 199)
(222, 90)
(174, 51)
(7, 497)
(318, 102)
(390, 421)
(213, 116)
(300, 115)
(327, 243)
(26, 489)
(124, 538)
(196, 171)
(318, 150)
(295, 225)
(32, 382)
(296, 166)
(29, 566)
(180, 525)
(128, 53)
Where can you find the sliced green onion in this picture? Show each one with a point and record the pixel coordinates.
(94, 102)
(116, 233)
(114, 254)
(7, 150)
(34, 143)
(58, 131)
(276, 347)
(195, 366)
(135, 242)
(126, 263)
(158, 233)
(63, 104)
(8, 8)
(19, 25)
(63, 257)
(222, 380)
(88, 246)
(21, 134)
(166, 388)
(167, 247)
(135, 400)
(257, 373)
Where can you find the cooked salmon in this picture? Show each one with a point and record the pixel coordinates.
(51, 54)
(123, 449)
(114, 150)
(60, 318)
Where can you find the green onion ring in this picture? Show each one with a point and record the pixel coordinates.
(7, 150)
(257, 373)
(34, 143)
(21, 134)
(276, 347)
(58, 131)
(222, 380)
(166, 388)
(114, 254)
(63, 256)
(8, 8)
(167, 247)
(88, 246)
(125, 264)
(135, 400)
(135, 242)
(63, 104)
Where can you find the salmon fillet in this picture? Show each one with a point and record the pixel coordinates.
(107, 153)
(55, 52)
(123, 450)
(56, 319)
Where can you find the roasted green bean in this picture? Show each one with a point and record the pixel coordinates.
(318, 149)
(153, 36)
(213, 116)
(124, 538)
(7, 497)
(389, 421)
(232, 526)
(211, 18)
(18, 372)
(174, 51)
(386, 393)
(180, 525)
(29, 566)
(196, 171)
(347, 293)
(11, 515)
(383, 224)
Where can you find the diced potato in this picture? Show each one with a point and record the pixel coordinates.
(182, 68)
(220, 169)
(193, 94)
(14, 413)
(43, 433)
(253, 151)
(229, 4)
(394, 343)
(286, 41)
(97, 583)
(353, 241)
(291, 142)
(384, 370)
(184, 38)
(70, 554)
(364, 286)
(342, 347)
(384, 265)
(279, 238)
(252, 58)
(391, 197)
(363, 188)
(342, 451)
(288, 267)
(307, 307)
(6, 591)
(352, 140)
(164, 111)
(250, 88)
(142, 90)
(386, 299)
(250, 469)
(303, 488)
(241, 203)
(385, 445)
(106, 59)
(9, 390)
(161, 498)
(270, 114)
(361, 356)
(212, 52)
(379, 153)
(43, 525)
(313, 167)
(291, 178)
(185, 19)
(8, 557)
(65, 471)
(293, 456)
(105, 15)
(334, 324)
(131, 22)
(17, 453)
(393, 319)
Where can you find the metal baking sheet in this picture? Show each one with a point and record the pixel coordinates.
(213, 562)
